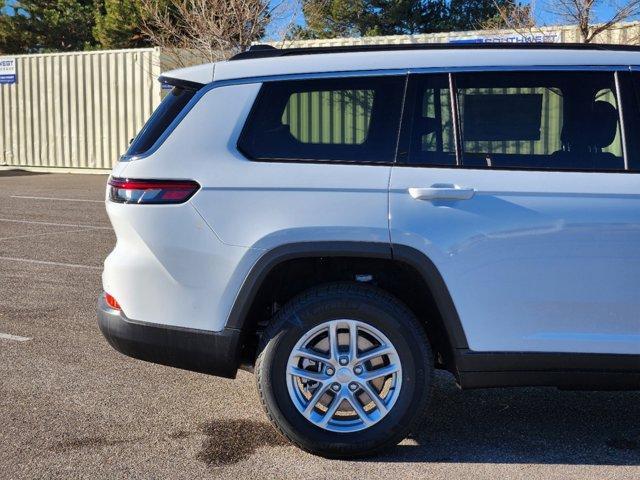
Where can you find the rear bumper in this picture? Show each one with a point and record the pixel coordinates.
(215, 353)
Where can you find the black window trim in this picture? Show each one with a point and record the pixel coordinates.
(400, 75)
(191, 89)
(403, 160)
(401, 157)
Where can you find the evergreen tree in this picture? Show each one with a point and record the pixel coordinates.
(343, 18)
(472, 14)
(30, 26)
(406, 17)
(118, 24)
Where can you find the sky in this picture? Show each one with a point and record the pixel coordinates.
(603, 11)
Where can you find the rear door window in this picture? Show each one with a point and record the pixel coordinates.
(540, 120)
(341, 120)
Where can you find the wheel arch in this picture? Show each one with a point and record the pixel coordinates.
(438, 288)
(448, 323)
(282, 253)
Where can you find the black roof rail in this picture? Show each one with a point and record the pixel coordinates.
(269, 51)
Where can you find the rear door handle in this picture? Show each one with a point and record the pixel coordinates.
(442, 192)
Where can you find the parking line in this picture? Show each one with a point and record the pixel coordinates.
(47, 234)
(28, 197)
(33, 222)
(7, 336)
(45, 262)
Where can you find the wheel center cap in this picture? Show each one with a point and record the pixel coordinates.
(344, 375)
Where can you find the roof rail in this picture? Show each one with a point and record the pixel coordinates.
(269, 51)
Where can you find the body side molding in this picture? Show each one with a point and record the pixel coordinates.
(571, 371)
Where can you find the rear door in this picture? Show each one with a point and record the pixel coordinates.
(516, 185)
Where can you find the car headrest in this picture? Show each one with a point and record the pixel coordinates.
(426, 125)
(604, 124)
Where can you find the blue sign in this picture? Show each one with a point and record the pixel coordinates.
(7, 70)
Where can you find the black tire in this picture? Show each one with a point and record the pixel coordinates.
(360, 302)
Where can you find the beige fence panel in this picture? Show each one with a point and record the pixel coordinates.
(76, 110)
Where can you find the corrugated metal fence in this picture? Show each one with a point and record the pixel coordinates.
(76, 110)
(79, 110)
(337, 117)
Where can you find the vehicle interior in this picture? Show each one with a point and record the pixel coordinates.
(555, 121)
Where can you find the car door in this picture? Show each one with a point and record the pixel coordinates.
(521, 189)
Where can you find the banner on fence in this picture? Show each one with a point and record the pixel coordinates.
(7, 70)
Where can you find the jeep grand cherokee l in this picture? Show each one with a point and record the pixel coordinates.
(342, 221)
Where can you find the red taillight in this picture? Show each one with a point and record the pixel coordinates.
(123, 190)
(112, 302)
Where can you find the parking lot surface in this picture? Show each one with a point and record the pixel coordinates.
(72, 407)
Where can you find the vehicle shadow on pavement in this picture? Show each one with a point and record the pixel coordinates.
(241, 439)
(19, 173)
(527, 425)
(518, 425)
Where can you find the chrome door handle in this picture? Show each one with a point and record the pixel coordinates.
(442, 192)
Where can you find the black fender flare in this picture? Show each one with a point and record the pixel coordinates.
(400, 253)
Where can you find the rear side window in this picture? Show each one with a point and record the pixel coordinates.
(167, 111)
(540, 120)
(342, 120)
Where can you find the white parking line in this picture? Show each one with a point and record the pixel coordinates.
(45, 262)
(33, 222)
(47, 234)
(7, 336)
(28, 197)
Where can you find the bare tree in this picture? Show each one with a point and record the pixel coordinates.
(193, 31)
(582, 13)
(514, 16)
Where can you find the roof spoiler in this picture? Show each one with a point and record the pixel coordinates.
(180, 82)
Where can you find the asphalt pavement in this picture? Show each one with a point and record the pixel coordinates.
(72, 407)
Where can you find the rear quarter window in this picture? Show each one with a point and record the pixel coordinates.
(341, 120)
(170, 107)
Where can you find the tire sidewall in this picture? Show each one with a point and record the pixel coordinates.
(411, 348)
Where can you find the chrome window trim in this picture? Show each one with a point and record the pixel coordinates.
(402, 118)
(360, 73)
(623, 136)
(455, 119)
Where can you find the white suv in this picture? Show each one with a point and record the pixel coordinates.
(345, 220)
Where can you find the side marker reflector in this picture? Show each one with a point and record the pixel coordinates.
(112, 302)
